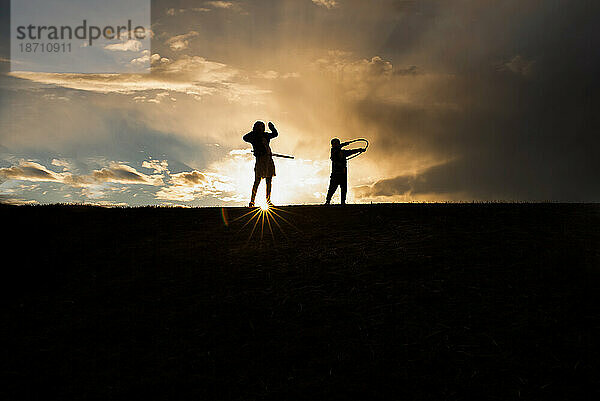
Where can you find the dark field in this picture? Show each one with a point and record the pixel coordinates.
(428, 302)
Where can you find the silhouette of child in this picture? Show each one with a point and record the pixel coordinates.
(264, 167)
(339, 170)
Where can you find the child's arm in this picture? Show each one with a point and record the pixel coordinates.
(350, 152)
(248, 137)
(273, 132)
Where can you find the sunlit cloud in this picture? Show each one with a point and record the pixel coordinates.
(190, 75)
(114, 173)
(209, 6)
(326, 3)
(189, 186)
(130, 45)
(159, 166)
(52, 96)
(30, 171)
(180, 42)
(220, 4)
(65, 164)
(124, 174)
(106, 204)
(267, 74)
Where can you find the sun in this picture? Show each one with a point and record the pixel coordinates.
(297, 181)
(264, 217)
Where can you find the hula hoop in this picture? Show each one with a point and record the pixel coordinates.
(358, 140)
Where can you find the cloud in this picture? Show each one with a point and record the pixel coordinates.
(210, 5)
(434, 180)
(29, 171)
(194, 76)
(188, 186)
(124, 174)
(272, 74)
(518, 65)
(7, 200)
(65, 164)
(267, 74)
(180, 42)
(154, 59)
(52, 96)
(329, 4)
(360, 78)
(344, 66)
(159, 166)
(115, 173)
(239, 152)
(220, 4)
(188, 178)
(461, 125)
(131, 45)
(107, 204)
(156, 100)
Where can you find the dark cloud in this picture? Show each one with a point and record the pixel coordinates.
(522, 78)
(410, 70)
(517, 65)
(447, 180)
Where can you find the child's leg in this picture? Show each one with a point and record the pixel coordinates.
(268, 182)
(255, 188)
(344, 188)
(332, 187)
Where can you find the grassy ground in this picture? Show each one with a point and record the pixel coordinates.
(428, 302)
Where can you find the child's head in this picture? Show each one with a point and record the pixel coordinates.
(335, 143)
(259, 126)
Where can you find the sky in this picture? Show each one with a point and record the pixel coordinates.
(466, 100)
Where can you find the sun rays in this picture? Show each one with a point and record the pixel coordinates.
(264, 221)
